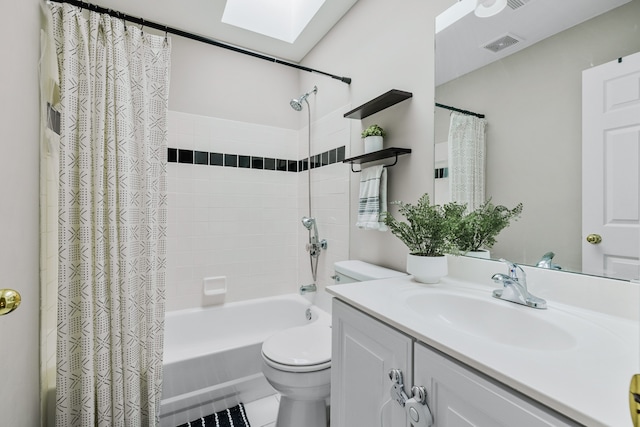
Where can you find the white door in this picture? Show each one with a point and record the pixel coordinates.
(610, 158)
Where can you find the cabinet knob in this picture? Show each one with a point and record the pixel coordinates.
(417, 408)
(395, 375)
(419, 393)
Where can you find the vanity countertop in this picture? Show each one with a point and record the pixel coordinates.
(580, 364)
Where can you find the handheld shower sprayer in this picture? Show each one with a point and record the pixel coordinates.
(308, 224)
(296, 104)
(315, 245)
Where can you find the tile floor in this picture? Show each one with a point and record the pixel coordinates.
(263, 412)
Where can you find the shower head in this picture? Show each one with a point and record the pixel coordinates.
(308, 222)
(296, 104)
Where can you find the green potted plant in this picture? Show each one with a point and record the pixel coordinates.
(476, 231)
(427, 233)
(373, 138)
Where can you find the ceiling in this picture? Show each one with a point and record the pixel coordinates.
(528, 21)
(460, 47)
(204, 18)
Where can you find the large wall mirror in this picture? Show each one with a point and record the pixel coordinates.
(528, 84)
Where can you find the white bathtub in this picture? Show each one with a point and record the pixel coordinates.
(212, 355)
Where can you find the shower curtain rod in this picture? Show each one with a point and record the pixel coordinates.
(191, 36)
(457, 110)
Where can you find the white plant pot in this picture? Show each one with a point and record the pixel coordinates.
(372, 143)
(427, 269)
(482, 253)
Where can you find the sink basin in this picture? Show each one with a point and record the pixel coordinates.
(488, 318)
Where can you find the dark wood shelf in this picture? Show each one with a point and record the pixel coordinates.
(377, 155)
(385, 100)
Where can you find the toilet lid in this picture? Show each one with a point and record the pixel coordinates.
(307, 345)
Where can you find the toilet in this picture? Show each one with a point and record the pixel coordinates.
(297, 361)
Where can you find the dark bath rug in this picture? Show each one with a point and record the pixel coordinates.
(232, 417)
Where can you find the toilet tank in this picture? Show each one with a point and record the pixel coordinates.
(357, 271)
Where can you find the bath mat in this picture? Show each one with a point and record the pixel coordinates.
(232, 417)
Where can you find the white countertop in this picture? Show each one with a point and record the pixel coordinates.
(585, 377)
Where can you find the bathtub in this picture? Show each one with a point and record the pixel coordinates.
(212, 357)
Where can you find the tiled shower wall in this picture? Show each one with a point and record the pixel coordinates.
(235, 197)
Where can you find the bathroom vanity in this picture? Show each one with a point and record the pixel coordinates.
(481, 361)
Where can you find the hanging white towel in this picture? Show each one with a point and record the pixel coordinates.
(373, 198)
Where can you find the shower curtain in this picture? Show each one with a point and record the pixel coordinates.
(467, 159)
(113, 100)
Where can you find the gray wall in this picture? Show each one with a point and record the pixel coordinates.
(383, 46)
(19, 124)
(532, 101)
(214, 82)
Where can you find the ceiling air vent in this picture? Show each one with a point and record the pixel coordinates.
(502, 43)
(515, 4)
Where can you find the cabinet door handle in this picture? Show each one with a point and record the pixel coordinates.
(397, 387)
(417, 408)
(419, 393)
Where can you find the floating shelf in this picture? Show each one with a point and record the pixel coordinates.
(377, 155)
(385, 100)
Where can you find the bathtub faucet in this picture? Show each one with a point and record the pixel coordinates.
(308, 288)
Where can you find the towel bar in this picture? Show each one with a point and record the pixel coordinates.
(377, 155)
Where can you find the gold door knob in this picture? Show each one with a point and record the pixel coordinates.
(9, 301)
(634, 399)
(594, 239)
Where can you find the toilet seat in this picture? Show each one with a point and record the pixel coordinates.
(299, 349)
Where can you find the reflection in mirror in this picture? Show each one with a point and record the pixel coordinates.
(531, 93)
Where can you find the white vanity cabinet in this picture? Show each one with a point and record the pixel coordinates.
(460, 397)
(364, 350)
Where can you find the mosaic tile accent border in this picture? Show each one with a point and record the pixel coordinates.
(441, 173)
(179, 155)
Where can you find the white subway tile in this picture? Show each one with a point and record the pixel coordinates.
(243, 223)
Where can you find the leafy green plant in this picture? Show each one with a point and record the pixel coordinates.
(478, 229)
(373, 130)
(428, 229)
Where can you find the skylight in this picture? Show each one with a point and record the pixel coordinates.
(280, 19)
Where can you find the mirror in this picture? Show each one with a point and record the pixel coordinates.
(530, 90)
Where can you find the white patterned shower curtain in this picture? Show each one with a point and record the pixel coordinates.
(467, 160)
(112, 203)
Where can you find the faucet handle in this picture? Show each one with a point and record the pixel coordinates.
(513, 270)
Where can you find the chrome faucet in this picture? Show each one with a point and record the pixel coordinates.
(514, 287)
(547, 262)
(308, 288)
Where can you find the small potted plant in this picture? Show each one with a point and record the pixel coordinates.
(476, 231)
(373, 138)
(427, 233)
